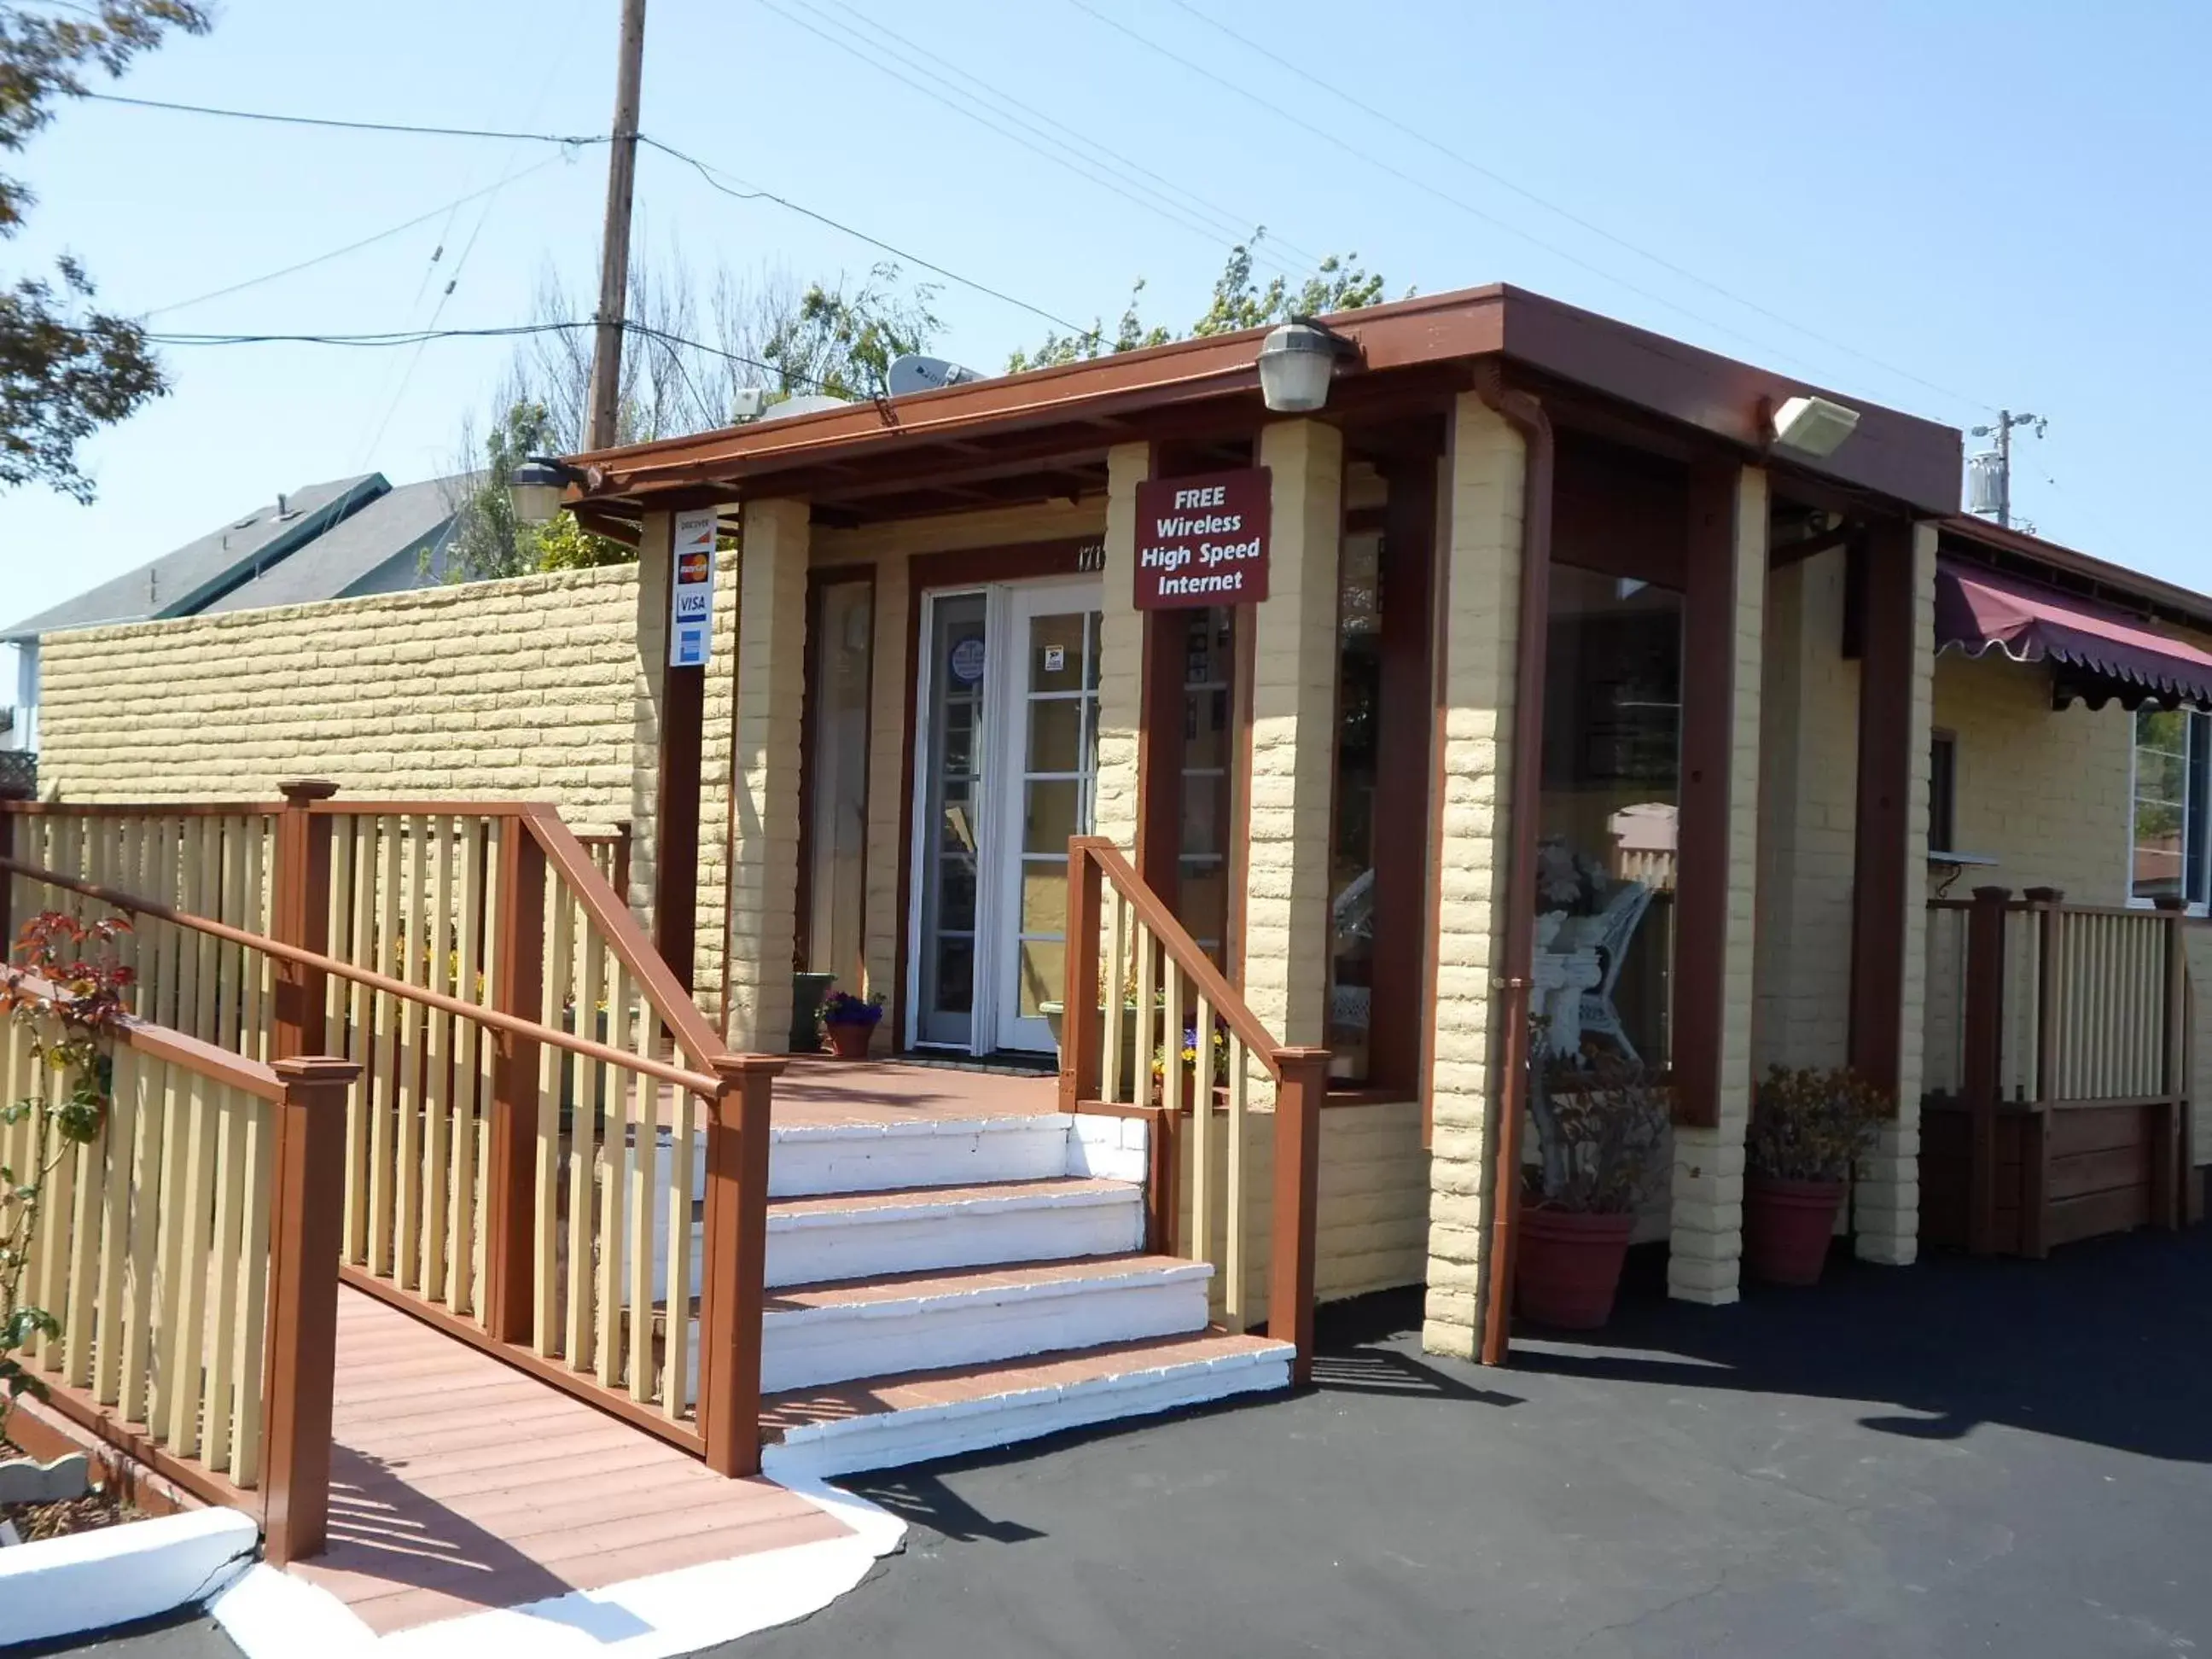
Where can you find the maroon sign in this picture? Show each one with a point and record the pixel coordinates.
(1202, 541)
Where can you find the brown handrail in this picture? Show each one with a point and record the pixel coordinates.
(141, 808)
(697, 1083)
(1182, 949)
(162, 1043)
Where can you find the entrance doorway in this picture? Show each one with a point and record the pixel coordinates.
(1007, 688)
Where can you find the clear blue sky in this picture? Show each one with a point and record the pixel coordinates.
(2004, 200)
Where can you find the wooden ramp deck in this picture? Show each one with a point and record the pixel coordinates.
(460, 1484)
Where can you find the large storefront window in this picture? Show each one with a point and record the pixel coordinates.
(1205, 644)
(2173, 756)
(1352, 832)
(1612, 791)
(837, 781)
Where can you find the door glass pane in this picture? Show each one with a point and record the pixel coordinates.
(1053, 812)
(1044, 895)
(837, 781)
(1056, 653)
(953, 791)
(1044, 974)
(1056, 734)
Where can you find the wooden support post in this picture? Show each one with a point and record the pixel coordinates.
(2035, 1134)
(676, 819)
(736, 1250)
(510, 1163)
(307, 1212)
(300, 916)
(1889, 747)
(1304, 1080)
(1984, 1058)
(1081, 1019)
(2169, 1167)
(1163, 1175)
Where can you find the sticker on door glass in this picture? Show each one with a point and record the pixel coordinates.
(1055, 658)
(967, 660)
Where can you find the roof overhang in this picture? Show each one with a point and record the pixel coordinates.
(2099, 655)
(1047, 431)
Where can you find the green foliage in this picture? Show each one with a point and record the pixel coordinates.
(67, 998)
(1339, 284)
(842, 345)
(1812, 1125)
(66, 369)
(489, 541)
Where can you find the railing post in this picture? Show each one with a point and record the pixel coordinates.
(2168, 1166)
(1302, 1079)
(306, 1224)
(736, 1265)
(1081, 1015)
(300, 916)
(511, 1158)
(2035, 1134)
(1984, 1059)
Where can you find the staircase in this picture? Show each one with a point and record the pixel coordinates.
(943, 1286)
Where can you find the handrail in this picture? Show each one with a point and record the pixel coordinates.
(697, 1083)
(139, 809)
(1185, 952)
(164, 1043)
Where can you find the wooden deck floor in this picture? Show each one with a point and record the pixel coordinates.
(460, 1484)
(816, 1089)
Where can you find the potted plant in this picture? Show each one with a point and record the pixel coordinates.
(1808, 1128)
(851, 1022)
(1600, 1123)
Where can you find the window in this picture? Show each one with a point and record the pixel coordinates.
(837, 783)
(1205, 646)
(1943, 793)
(2173, 756)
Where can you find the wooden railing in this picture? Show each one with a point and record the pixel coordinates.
(2055, 1065)
(188, 1254)
(1150, 1027)
(539, 1112)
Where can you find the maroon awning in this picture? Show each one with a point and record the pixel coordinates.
(1978, 609)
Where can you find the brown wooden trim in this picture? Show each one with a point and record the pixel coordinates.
(583, 1385)
(1705, 803)
(305, 1234)
(1163, 1185)
(675, 820)
(1888, 750)
(1433, 872)
(818, 579)
(135, 1442)
(1302, 1079)
(165, 809)
(1159, 759)
(401, 806)
(736, 1256)
(1244, 645)
(1400, 810)
(510, 1156)
(1082, 1020)
(1984, 1060)
(299, 916)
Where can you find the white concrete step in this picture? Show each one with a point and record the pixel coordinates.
(814, 1241)
(887, 1422)
(810, 1159)
(835, 1333)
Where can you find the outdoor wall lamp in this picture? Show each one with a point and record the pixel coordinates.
(1814, 425)
(1297, 361)
(534, 487)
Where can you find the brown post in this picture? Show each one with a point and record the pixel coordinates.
(510, 1163)
(622, 862)
(1303, 1081)
(2167, 1169)
(1985, 1011)
(1081, 1027)
(6, 887)
(307, 1212)
(735, 1268)
(676, 819)
(1163, 1194)
(1889, 746)
(300, 914)
(2035, 1135)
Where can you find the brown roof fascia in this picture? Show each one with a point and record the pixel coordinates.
(2008, 549)
(1891, 454)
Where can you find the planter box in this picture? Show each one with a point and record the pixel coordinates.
(140, 1570)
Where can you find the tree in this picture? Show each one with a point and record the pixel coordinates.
(66, 369)
(1338, 284)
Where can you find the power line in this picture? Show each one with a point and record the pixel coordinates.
(570, 139)
(1571, 217)
(1087, 149)
(1442, 195)
(350, 247)
(744, 192)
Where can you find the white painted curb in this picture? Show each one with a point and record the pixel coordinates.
(67, 1586)
(272, 1615)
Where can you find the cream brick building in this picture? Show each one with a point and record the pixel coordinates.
(931, 667)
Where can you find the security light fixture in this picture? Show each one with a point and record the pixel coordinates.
(535, 487)
(1297, 361)
(1814, 425)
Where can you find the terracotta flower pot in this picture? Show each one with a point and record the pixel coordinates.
(1566, 1268)
(849, 1038)
(1787, 1227)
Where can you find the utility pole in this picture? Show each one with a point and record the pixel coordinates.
(614, 239)
(2002, 431)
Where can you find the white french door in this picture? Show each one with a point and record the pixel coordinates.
(1008, 687)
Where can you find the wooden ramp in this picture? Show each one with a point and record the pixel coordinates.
(460, 1484)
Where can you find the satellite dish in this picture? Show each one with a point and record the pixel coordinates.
(913, 373)
(812, 404)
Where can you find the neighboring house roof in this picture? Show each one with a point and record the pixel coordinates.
(401, 524)
(326, 541)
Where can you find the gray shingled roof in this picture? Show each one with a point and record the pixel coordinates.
(405, 521)
(184, 582)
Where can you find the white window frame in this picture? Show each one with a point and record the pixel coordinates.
(2193, 825)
